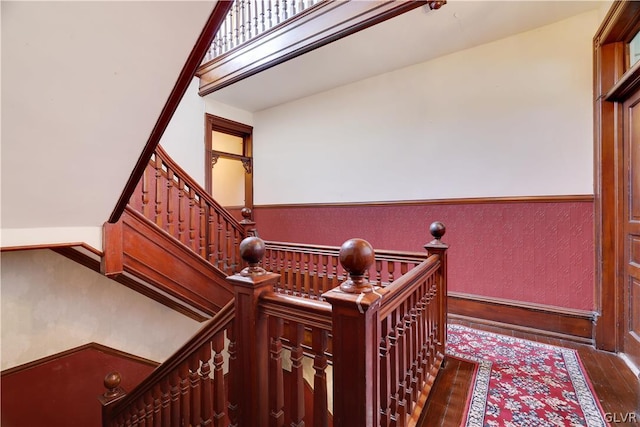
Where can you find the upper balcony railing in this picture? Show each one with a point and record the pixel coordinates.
(250, 18)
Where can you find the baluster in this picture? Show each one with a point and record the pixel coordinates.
(401, 414)
(194, 390)
(158, 175)
(203, 229)
(142, 413)
(284, 10)
(237, 261)
(170, 203)
(293, 7)
(296, 331)
(192, 220)
(181, 213)
(228, 250)
(269, 14)
(156, 405)
(185, 406)
(276, 12)
(220, 242)
(175, 399)
(243, 19)
(306, 287)
(276, 380)
(421, 320)
(263, 16)
(412, 354)
(315, 293)
(319, 340)
(390, 269)
(385, 373)
(289, 285)
(219, 397)
(237, 23)
(335, 281)
(404, 267)
(234, 367)
(206, 385)
(211, 236)
(378, 264)
(256, 17)
(324, 260)
(165, 401)
(249, 21)
(145, 193)
(149, 408)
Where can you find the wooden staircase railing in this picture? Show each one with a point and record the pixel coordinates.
(375, 350)
(172, 200)
(174, 243)
(250, 18)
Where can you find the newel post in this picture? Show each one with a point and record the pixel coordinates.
(355, 312)
(437, 247)
(248, 224)
(114, 393)
(250, 375)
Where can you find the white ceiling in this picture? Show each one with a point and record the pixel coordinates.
(411, 38)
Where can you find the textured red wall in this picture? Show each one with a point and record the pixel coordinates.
(64, 391)
(538, 252)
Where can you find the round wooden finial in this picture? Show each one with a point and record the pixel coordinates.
(246, 214)
(112, 383)
(437, 230)
(435, 5)
(252, 251)
(356, 256)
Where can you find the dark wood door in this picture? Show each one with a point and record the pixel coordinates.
(630, 228)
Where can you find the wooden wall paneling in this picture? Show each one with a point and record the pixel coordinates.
(173, 268)
(65, 386)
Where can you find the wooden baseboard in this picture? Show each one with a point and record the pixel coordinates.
(557, 322)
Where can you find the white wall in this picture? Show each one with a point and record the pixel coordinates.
(184, 138)
(51, 304)
(508, 118)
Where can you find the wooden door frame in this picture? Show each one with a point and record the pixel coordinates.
(219, 124)
(613, 82)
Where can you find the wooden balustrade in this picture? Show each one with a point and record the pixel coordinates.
(250, 18)
(310, 271)
(385, 345)
(170, 198)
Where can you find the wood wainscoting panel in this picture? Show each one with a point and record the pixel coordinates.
(63, 389)
(537, 250)
(178, 277)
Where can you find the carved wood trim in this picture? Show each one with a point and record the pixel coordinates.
(612, 80)
(557, 322)
(184, 79)
(315, 27)
(456, 201)
(90, 346)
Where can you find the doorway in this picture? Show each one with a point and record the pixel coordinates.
(229, 163)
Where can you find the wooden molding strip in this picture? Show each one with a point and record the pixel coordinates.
(53, 246)
(460, 201)
(90, 346)
(184, 79)
(557, 322)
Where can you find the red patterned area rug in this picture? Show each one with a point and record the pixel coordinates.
(524, 383)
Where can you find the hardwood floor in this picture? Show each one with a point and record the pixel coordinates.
(614, 383)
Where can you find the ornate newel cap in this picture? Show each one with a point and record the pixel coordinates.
(356, 256)
(246, 215)
(114, 391)
(252, 251)
(437, 230)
